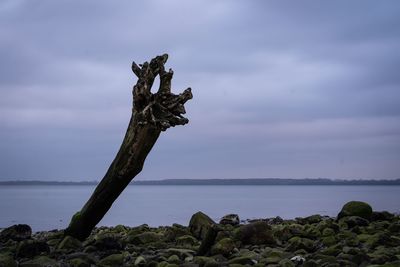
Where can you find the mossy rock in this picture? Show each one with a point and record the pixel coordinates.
(356, 208)
(78, 262)
(202, 260)
(31, 248)
(69, 243)
(146, 238)
(297, 243)
(41, 261)
(256, 233)
(186, 241)
(7, 260)
(224, 247)
(353, 221)
(113, 260)
(199, 225)
(16, 232)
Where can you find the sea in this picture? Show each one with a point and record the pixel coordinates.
(48, 207)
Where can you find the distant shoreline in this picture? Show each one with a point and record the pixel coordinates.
(250, 181)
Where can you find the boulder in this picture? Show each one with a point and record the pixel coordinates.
(7, 259)
(224, 247)
(16, 232)
(108, 241)
(41, 261)
(146, 237)
(232, 219)
(186, 241)
(31, 248)
(356, 208)
(113, 260)
(382, 216)
(199, 225)
(256, 233)
(69, 243)
(353, 221)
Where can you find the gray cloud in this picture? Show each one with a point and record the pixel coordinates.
(282, 89)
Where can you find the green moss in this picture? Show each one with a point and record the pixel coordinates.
(356, 208)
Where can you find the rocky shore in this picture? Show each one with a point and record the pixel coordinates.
(358, 236)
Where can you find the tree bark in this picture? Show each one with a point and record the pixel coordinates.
(152, 113)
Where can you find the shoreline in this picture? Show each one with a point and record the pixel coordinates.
(358, 236)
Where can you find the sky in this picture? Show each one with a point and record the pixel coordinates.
(284, 89)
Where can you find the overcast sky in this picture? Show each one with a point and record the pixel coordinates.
(289, 89)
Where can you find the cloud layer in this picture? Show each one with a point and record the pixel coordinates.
(281, 89)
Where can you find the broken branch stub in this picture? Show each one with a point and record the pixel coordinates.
(151, 114)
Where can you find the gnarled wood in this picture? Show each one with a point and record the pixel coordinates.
(151, 114)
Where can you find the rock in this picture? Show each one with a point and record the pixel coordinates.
(80, 259)
(256, 233)
(272, 256)
(224, 247)
(174, 259)
(286, 263)
(41, 261)
(31, 248)
(381, 216)
(69, 243)
(244, 260)
(232, 219)
(113, 260)
(7, 260)
(174, 232)
(202, 261)
(310, 219)
(353, 221)
(108, 241)
(146, 238)
(298, 260)
(140, 261)
(297, 243)
(199, 225)
(16, 232)
(78, 263)
(186, 241)
(356, 208)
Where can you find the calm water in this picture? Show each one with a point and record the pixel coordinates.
(50, 207)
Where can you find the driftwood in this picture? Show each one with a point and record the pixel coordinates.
(152, 113)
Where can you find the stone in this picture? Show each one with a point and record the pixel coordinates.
(41, 261)
(174, 259)
(224, 247)
(108, 241)
(7, 260)
(31, 248)
(232, 219)
(356, 208)
(78, 263)
(298, 260)
(113, 260)
(297, 243)
(186, 241)
(202, 260)
(382, 216)
(353, 221)
(310, 219)
(140, 261)
(69, 243)
(146, 238)
(199, 225)
(16, 232)
(244, 260)
(256, 233)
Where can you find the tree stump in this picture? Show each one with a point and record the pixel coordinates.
(152, 113)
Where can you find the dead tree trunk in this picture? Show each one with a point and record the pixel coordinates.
(151, 114)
